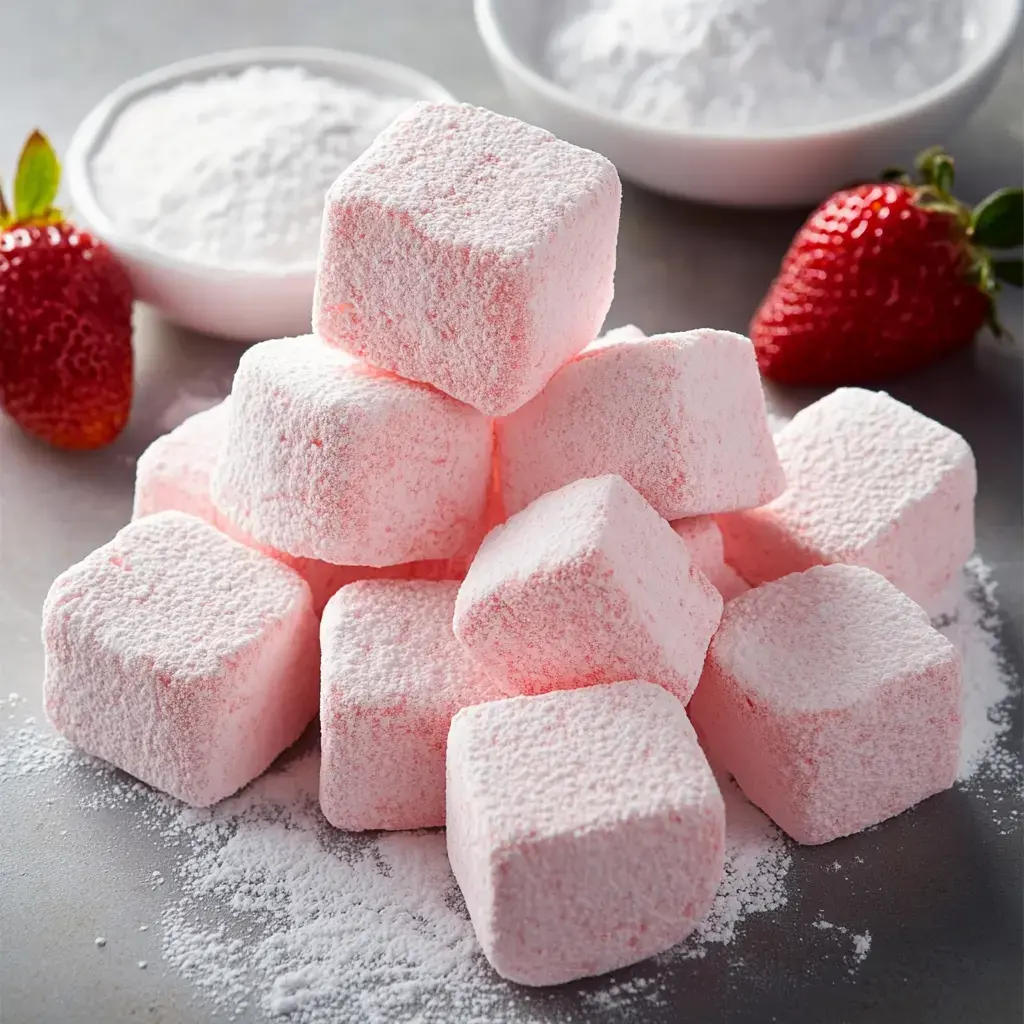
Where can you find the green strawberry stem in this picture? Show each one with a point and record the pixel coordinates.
(36, 183)
(997, 222)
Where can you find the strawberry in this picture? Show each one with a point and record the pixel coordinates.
(65, 316)
(884, 278)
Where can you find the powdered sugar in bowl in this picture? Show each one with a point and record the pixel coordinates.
(749, 102)
(207, 177)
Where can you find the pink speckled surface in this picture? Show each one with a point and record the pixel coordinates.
(186, 659)
(468, 250)
(587, 585)
(175, 471)
(585, 829)
(679, 416)
(393, 675)
(327, 458)
(871, 482)
(831, 700)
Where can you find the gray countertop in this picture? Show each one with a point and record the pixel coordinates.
(940, 889)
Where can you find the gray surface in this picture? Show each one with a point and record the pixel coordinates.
(939, 889)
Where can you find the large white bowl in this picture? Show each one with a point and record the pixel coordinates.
(783, 168)
(242, 305)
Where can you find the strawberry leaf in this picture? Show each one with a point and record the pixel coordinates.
(1009, 271)
(936, 204)
(944, 173)
(37, 179)
(925, 160)
(5, 213)
(935, 166)
(998, 221)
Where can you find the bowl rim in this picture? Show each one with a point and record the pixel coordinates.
(96, 123)
(992, 53)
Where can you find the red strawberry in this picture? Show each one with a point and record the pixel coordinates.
(65, 317)
(885, 278)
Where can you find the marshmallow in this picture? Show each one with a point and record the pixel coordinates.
(703, 540)
(585, 829)
(181, 656)
(175, 471)
(679, 416)
(870, 482)
(831, 700)
(587, 585)
(468, 250)
(330, 459)
(728, 582)
(393, 675)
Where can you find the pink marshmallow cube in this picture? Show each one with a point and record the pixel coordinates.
(181, 656)
(587, 585)
(330, 459)
(679, 416)
(703, 540)
(871, 482)
(831, 700)
(175, 471)
(393, 675)
(585, 829)
(468, 250)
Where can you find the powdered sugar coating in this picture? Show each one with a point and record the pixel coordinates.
(175, 471)
(679, 416)
(181, 656)
(831, 700)
(585, 829)
(469, 250)
(393, 675)
(587, 585)
(871, 482)
(327, 458)
(703, 540)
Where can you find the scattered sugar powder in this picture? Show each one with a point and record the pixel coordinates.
(231, 170)
(969, 616)
(861, 943)
(274, 913)
(753, 65)
(861, 946)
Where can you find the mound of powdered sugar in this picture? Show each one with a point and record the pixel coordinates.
(754, 65)
(272, 913)
(236, 172)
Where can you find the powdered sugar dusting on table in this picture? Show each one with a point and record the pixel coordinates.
(969, 616)
(270, 912)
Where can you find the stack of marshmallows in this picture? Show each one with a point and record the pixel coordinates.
(527, 578)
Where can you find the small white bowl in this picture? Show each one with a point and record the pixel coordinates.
(239, 304)
(785, 168)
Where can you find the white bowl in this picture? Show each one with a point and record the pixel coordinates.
(240, 304)
(783, 168)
